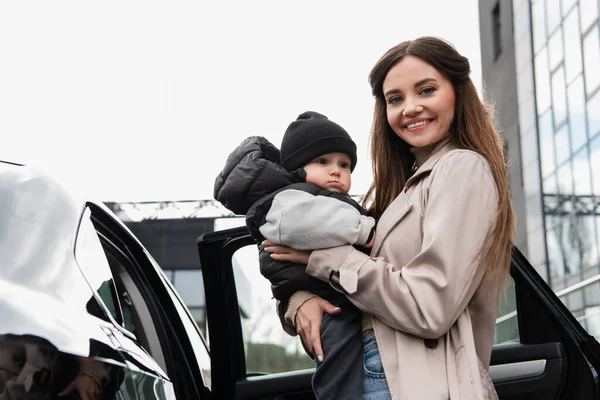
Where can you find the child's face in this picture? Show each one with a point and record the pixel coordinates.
(330, 171)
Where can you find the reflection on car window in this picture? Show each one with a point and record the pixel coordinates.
(92, 262)
(507, 327)
(127, 307)
(198, 343)
(31, 368)
(582, 299)
(268, 348)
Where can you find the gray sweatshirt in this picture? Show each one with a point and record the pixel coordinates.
(307, 222)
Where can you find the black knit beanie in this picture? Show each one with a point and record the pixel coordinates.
(311, 136)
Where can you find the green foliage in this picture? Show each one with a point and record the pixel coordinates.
(271, 358)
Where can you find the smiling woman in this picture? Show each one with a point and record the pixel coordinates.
(429, 288)
(420, 102)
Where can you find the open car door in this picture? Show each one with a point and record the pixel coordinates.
(542, 352)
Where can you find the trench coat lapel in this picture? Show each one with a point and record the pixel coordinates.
(389, 219)
(402, 204)
(428, 165)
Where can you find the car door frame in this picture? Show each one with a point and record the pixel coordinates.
(182, 367)
(230, 380)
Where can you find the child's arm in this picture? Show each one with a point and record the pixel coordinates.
(307, 222)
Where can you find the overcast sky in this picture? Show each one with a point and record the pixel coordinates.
(140, 101)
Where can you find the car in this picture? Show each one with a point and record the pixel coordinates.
(83, 304)
(82, 300)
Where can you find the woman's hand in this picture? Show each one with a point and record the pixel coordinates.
(87, 383)
(287, 254)
(308, 323)
(86, 387)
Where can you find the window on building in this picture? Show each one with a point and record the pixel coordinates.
(562, 145)
(559, 98)
(546, 134)
(538, 19)
(577, 121)
(572, 38)
(553, 16)
(542, 81)
(496, 31)
(591, 61)
(555, 49)
(588, 12)
(593, 105)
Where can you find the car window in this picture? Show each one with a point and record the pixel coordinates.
(117, 263)
(507, 327)
(33, 368)
(137, 318)
(189, 284)
(268, 348)
(583, 300)
(199, 345)
(94, 265)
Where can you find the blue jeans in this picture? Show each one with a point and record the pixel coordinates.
(375, 386)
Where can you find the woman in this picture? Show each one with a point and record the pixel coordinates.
(429, 290)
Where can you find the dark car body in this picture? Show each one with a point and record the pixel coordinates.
(79, 293)
(76, 287)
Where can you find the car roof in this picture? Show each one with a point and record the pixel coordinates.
(10, 162)
(42, 289)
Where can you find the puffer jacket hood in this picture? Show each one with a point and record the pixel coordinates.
(251, 172)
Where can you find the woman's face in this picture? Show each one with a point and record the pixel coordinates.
(419, 102)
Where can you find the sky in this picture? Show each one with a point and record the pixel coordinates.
(143, 101)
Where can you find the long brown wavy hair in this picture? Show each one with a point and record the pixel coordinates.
(472, 128)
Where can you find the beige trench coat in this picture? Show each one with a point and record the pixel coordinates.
(433, 317)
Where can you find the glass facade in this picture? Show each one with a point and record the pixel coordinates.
(557, 51)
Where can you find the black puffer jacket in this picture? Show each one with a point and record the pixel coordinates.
(252, 177)
(251, 172)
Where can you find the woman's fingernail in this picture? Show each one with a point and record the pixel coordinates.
(336, 309)
(320, 358)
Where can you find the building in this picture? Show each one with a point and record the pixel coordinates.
(541, 70)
